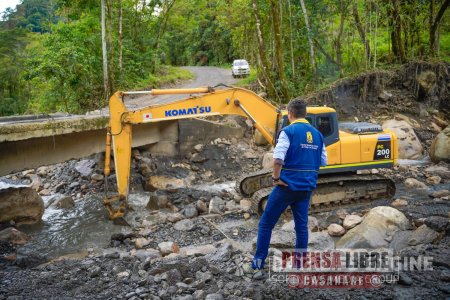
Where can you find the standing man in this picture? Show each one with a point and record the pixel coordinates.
(299, 153)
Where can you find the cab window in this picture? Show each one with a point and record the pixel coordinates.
(324, 125)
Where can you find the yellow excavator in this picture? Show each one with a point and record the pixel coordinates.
(350, 146)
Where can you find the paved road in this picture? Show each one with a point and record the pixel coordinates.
(204, 77)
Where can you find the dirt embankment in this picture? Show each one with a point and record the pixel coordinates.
(413, 88)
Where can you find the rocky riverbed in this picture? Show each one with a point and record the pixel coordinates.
(192, 235)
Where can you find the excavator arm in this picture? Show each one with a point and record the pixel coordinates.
(207, 102)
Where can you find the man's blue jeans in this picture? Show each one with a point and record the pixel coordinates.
(279, 200)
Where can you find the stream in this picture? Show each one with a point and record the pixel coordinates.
(86, 225)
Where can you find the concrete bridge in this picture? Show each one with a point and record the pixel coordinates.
(38, 140)
(31, 141)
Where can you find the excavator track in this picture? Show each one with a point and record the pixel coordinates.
(248, 184)
(333, 191)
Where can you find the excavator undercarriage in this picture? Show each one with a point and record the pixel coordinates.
(333, 191)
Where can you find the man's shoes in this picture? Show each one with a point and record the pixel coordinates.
(260, 275)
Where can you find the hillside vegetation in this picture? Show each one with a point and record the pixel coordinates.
(54, 57)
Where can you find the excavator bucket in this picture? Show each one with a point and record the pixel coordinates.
(116, 207)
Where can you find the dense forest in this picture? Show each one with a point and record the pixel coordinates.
(69, 55)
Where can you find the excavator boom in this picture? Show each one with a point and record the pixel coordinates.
(206, 102)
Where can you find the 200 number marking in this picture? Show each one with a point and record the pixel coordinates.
(384, 152)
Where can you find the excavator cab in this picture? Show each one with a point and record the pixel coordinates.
(322, 118)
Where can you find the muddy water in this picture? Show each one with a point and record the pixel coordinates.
(70, 231)
(86, 225)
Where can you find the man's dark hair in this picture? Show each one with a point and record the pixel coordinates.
(297, 107)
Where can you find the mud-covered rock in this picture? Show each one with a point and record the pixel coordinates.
(190, 211)
(400, 202)
(422, 235)
(156, 182)
(440, 193)
(442, 170)
(97, 177)
(167, 248)
(184, 225)
(14, 236)
(198, 158)
(245, 204)
(267, 161)
(379, 223)
(216, 205)
(60, 201)
(437, 223)
(280, 239)
(413, 183)
(312, 225)
(440, 148)
(201, 206)
(433, 180)
(351, 221)
(85, 167)
(20, 204)
(174, 217)
(140, 243)
(336, 230)
(198, 250)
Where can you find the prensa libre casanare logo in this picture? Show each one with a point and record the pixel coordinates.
(188, 111)
(350, 268)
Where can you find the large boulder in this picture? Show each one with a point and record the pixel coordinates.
(378, 225)
(20, 204)
(409, 146)
(440, 148)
